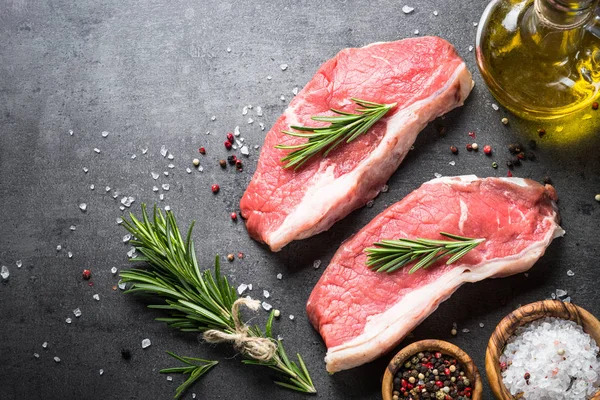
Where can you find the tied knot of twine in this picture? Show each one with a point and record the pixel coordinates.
(258, 348)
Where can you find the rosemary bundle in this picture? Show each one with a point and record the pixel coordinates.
(201, 301)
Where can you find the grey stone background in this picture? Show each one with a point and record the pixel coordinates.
(152, 73)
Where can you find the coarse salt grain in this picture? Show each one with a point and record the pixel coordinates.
(560, 358)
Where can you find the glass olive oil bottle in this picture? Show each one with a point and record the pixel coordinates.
(541, 58)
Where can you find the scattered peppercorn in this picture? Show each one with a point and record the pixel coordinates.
(227, 144)
(515, 148)
(597, 197)
(453, 332)
(233, 216)
(238, 164)
(516, 161)
(87, 274)
(475, 146)
(126, 354)
(595, 105)
(232, 159)
(454, 149)
(487, 149)
(230, 257)
(240, 255)
(527, 376)
(541, 132)
(215, 188)
(505, 121)
(495, 165)
(509, 174)
(547, 180)
(230, 137)
(202, 150)
(223, 163)
(521, 156)
(469, 147)
(196, 162)
(509, 164)
(472, 134)
(276, 313)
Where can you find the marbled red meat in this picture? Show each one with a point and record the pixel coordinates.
(424, 76)
(361, 314)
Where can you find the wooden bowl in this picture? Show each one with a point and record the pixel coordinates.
(446, 348)
(507, 327)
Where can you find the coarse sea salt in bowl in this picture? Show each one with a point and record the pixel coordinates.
(536, 351)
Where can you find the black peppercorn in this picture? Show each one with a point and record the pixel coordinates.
(547, 180)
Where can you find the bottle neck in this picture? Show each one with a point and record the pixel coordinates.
(565, 14)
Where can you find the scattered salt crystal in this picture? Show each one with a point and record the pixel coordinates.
(92, 187)
(127, 200)
(437, 175)
(144, 151)
(238, 142)
(416, 32)
(155, 188)
(163, 151)
(133, 156)
(250, 120)
(166, 186)
(262, 126)
(96, 297)
(266, 306)
(97, 150)
(526, 275)
(266, 294)
(193, 395)
(56, 359)
(169, 378)
(465, 330)
(570, 273)
(316, 264)
(282, 98)
(77, 312)
(385, 188)
(101, 372)
(370, 203)
(475, 23)
(259, 111)
(131, 251)
(269, 77)
(279, 276)
(146, 343)
(567, 299)
(295, 91)
(245, 110)
(122, 208)
(36, 355)
(229, 51)
(115, 195)
(114, 270)
(495, 106)
(292, 317)
(470, 48)
(104, 133)
(19, 263)
(45, 345)
(236, 131)
(58, 248)
(242, 288)
(244, 150)
(213, 118)
(126, 238)
(4, 273)
(553, 296)
(283, 67)
(69, 254)
(83, 206)
(154, 175)
(436, 13)
(256, 147)
(481, 325)
(72, 227)
(122, 285)
(119, 220)
(68, 320)
(161, 196)
(166, 173)
(85, 169)
(249, 286)
(200, 168)
(189, 171)
(453, 163)
(561, 293)
(234, 147)
(71, 132)
(171, 156)
(407, 9)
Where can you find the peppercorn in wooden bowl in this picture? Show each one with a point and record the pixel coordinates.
(521, 316)
(432, 347)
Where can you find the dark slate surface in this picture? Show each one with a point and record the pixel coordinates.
(152, 73)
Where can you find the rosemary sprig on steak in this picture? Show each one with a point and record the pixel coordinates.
(391, 255)
(345, 127)
(202, 301)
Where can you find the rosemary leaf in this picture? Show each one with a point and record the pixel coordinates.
(391, 255)
(344, 127)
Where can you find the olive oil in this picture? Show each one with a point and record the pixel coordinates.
(540, 59)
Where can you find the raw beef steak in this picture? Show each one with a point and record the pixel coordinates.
(424, 76)
(361, 314)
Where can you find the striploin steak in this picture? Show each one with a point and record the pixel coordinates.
(424, 76)
(361, 314)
